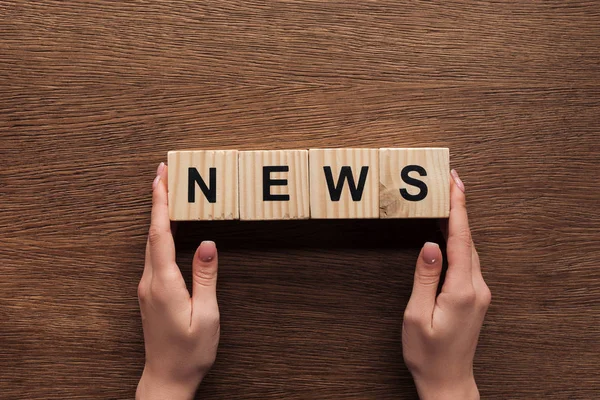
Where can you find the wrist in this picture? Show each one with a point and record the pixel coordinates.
(466, 390)
(156, 387)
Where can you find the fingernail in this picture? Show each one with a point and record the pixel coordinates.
(160, 168)
(457, 180)
(156, 180)
(430, 252)
(207, 251)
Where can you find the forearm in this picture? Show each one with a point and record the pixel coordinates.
(150, 388)
(450, 391)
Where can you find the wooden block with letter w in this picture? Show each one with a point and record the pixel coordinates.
(344, 183)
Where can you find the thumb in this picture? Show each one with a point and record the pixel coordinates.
(204, 271)
(427, 278)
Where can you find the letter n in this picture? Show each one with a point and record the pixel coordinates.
(210, 191)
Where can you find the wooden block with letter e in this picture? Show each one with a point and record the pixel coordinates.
(203, 185)
(414, 183)
(344, 183)
(274, 185)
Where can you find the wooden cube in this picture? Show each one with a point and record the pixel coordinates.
(344, 183)
(274, 185)
(414, 183)
(203, 185)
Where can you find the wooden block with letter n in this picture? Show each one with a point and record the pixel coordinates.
(203, 185)
(344, 183)
(274, 185)
(414, 183)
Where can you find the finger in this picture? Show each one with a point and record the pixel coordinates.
(426, 281)
(147, 274)
(165, 176)
(162, 246)
(163, 171)
(459, 244)
(204, 271)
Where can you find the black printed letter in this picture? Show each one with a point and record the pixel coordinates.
(268, 182)
(335, 191)
(415, 182)
(209, 192)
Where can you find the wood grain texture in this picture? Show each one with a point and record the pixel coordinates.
(217, 171)
(430, 201)
(94, 94)
(352, 175)
(292, 183)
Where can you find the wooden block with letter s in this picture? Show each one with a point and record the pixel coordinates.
(414, 183)
(203, 185)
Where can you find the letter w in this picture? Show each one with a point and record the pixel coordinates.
(335, 191)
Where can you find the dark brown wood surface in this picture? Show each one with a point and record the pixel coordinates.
(93, 94)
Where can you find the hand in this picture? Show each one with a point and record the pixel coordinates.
(439, 335)
(181, 333)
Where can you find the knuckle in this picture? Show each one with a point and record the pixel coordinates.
(413, 317)
(485, 297)
(212, 318)
(142, 291)
(464, 235)
(208, 324)
(415, 362)
(154, 235)
(467, 298)
(430, 278)
(170, 275)
(412, 363)
(460, 242)
(205, 276)
(476, 257)
(160, 292)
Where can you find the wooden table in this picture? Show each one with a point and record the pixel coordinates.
(93, 95)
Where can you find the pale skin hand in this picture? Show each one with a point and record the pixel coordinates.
(181, 332)
(440, 334)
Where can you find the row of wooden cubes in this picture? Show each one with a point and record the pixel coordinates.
(315, 183)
